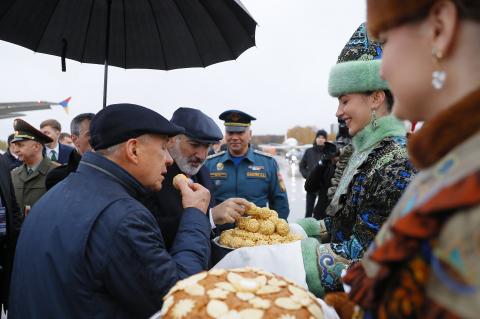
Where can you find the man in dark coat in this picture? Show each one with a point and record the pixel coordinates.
(308, 162)
(10, 222)
(89, 248)
(80, 133)
(12, 161)
(319, 179)
(189, 152)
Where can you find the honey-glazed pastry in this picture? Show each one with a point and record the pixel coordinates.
(242, 222)
(252, 225)
(265, 213)
(242, 293)
(266, 227)
(281, 227)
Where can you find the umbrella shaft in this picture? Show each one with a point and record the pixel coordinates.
(105, 80)
(107, 44)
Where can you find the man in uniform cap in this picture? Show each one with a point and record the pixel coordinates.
(100, 253)
(29, 179)
(189, 152)
(10, 157)
(243, 172)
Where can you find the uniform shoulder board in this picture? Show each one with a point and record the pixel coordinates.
(263, 153)
(17, 170)
(215, 155)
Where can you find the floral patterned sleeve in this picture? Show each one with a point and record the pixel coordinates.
(385, 187)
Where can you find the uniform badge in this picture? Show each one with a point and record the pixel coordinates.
(235, 117)
(220, 166)
(256, 168)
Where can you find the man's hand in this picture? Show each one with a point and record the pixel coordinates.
(229, 211)
(195, 195)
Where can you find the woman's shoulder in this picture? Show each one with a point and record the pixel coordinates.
(390, 152)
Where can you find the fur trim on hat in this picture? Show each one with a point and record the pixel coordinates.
(355, 77)
(385, 14)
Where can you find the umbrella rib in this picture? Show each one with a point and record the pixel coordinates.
(191, 33)
(159, 35)
(219, 30)
(124, 34)
(46, 27)
(87, 30)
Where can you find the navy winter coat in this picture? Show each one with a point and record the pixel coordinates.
(89, 249)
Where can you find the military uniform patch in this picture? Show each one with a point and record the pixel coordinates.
(218, 175)
(256, 174)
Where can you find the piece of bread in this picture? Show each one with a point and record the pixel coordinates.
(178, 179)
(242, 293)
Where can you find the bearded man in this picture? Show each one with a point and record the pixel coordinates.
(189, 152)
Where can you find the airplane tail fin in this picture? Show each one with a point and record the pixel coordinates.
(64, 103)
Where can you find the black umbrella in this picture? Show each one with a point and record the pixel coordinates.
(131, 34)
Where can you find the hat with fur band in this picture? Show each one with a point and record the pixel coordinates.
(358, 66)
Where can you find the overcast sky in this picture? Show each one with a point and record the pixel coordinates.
(282, 81)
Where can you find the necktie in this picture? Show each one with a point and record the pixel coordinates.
(53, 157)
(29, 171)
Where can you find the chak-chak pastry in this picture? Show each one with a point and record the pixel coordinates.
(281, 227)
(261, 227)
(266, 227)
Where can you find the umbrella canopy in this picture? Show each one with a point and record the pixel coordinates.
(149, 34)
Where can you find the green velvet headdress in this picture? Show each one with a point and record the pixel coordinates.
(358, 66)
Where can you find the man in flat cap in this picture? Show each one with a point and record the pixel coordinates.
(189, 152)
(244, 172)
(29, 179)
(100, 253)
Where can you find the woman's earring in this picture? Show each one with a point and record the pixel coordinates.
(438, 76)
(374, 120)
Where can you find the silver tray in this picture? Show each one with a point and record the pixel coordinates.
(216, 241)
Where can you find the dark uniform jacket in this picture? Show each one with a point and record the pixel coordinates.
(29, 188)
(256, 178)
(89, 249)
(13, 221)
(166, 205)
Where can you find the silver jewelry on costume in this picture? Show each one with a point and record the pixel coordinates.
(374, 120)
(438, 76)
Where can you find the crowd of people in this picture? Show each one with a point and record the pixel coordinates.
(101, 228)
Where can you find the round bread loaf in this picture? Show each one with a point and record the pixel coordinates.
(242, 293)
